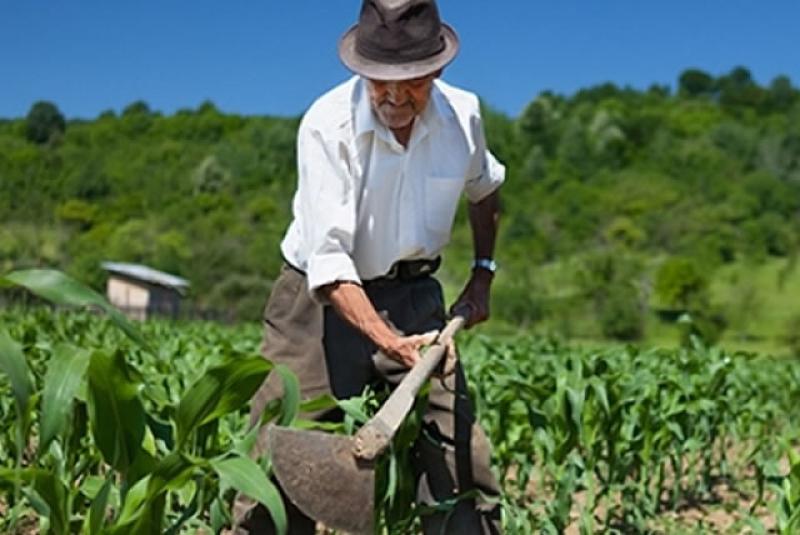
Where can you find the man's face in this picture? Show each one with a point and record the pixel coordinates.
(397, 103)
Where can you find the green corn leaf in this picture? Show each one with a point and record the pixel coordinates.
(354, 407)
(115, 410)
(54, 493)
(97, 511)
(133, 501)
(37, 504)
(244, 475)
(676, 429)
(220, 390)
(170, 473)
(91, 485)
(575, 400)
(328, 427)
(599, 389)
(143, 509)
(143, 464)
(57, 287)
(61, 289)
(218, 515)
(65, 372)
(319, 403)
(792, 524)
(245, 445)
(391, 487)
(794, 477)
(8, 476)
(14, 365)
(290, 403)
(161, 430)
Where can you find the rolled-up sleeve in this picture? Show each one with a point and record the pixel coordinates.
(326, 198)
(486, 174)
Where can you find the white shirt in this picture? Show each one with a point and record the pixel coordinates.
(364, 202)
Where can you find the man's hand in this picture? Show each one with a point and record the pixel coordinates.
(406, 349)
(475, 298)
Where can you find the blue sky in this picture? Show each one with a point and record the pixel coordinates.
(270, 57)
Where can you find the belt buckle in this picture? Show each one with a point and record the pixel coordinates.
(393, 272)
(423, 268)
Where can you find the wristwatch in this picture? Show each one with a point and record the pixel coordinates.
(485, 263)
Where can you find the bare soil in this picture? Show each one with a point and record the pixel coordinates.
(725, 509)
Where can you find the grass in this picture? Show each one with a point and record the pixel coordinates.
(760, 302)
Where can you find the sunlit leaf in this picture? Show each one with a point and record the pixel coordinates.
(244, 475)
(14, 365)
(66, 370)
(62, 289)
(115, 410)
(220, 390)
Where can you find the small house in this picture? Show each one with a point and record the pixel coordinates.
(141, 291)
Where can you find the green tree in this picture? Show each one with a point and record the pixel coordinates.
(138, 107)
(44, 122)
(696, 83)
(77, 212)
(738, 89)
(538, 124)
(781, 94)
(610, 279)
(680, 284)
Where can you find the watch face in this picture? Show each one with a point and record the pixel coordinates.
(485, 263)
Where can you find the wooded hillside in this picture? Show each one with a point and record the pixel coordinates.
(618, 202)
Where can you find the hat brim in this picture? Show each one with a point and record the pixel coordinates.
(396, 71)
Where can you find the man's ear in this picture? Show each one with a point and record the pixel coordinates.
(438, 74)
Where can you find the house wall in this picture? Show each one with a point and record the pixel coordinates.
(164, 301)
(132, 298)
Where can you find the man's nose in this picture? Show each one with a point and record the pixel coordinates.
(395, 93)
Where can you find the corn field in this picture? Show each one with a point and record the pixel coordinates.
(110, 428)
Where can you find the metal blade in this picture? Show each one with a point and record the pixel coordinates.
(323, 478)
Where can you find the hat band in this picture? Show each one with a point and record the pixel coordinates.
(408, 53)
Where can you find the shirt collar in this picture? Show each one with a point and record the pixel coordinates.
(439, 109)
(364, 119)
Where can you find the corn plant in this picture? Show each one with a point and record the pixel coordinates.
(788, 510)
(110, 428)
(135, 464)
(635, 432)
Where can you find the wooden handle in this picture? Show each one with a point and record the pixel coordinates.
(374, 437)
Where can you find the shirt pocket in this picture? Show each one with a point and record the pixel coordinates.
(441, 201)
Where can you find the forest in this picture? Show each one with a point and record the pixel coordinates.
(634, 215)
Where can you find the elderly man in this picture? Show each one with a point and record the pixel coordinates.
(382, 162)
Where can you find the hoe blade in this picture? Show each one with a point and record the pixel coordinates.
(323, 478)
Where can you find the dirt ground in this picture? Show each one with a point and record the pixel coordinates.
(728, 508)
(724, 511)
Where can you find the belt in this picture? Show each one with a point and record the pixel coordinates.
(406, 270)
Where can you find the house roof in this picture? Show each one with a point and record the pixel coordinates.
(146, 274)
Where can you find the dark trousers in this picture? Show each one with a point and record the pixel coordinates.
(451, 456)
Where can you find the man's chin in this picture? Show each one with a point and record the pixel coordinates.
(397, 123)
(396, 119)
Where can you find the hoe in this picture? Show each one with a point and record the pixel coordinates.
(331, 478)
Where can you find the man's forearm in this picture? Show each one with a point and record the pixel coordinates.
(484, 216)
(352, 304)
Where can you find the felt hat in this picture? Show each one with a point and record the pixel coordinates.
(398, 40)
